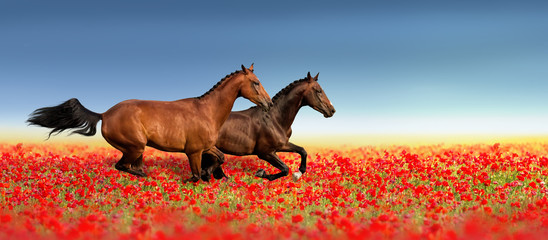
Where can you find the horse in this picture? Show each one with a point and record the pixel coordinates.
(188, 125)
(255, 132)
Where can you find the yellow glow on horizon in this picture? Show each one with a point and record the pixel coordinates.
(317, 140)
(412, 139)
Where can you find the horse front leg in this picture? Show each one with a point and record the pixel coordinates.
(195, 160)
(290, 147)
(275, 161)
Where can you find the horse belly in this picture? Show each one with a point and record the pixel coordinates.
(168, 147)
(170, 140)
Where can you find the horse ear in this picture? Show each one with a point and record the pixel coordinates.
(316, 77)
(244, 69)
(308, 76)
(251, 68)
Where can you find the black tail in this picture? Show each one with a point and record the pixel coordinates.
(70, 114)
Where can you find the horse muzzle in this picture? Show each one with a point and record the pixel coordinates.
(329, 113)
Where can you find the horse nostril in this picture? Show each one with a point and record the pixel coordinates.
(332, 111)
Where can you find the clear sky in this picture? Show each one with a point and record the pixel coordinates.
(387, 66)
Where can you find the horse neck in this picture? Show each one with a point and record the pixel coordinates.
(287, 107)
(221, 100)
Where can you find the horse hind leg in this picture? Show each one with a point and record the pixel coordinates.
(218, 173)
(122, 164)
(137, 166)
(208, 161)
(131, 163)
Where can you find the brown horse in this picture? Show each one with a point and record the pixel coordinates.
(188, 125)
(255, 132)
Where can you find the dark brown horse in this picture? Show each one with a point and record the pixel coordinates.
(255, 132)
(188, 125)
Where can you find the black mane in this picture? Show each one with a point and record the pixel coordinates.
(286, 90)
(218, 83)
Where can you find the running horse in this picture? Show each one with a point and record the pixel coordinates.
(255, 132)
(188, 125)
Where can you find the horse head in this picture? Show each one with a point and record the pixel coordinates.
(315, 97)
(253, 90)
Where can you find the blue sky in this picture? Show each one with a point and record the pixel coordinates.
(387, 66)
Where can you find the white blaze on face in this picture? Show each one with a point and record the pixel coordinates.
(297, 175)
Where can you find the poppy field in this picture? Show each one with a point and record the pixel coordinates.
(474, 191)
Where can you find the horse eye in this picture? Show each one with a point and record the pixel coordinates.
(319, 91)
(255, 84)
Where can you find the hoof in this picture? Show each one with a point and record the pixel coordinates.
(297, 175)
(219, 173)
(123, 168)
(192, 179)
(138, 173)
(206, 177)
(120, 167)
(260, 173)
